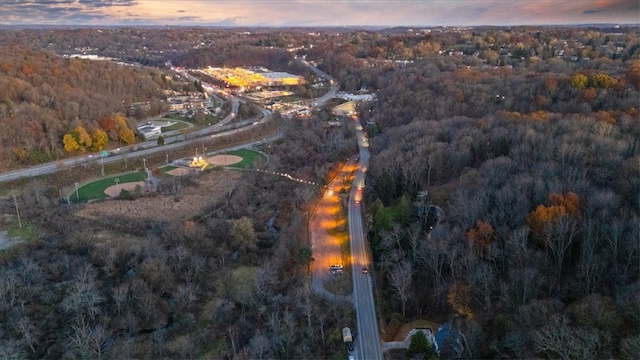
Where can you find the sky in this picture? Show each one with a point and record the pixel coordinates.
(283, 13)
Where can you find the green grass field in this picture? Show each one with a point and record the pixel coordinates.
(95, 190)
(174, 116)
(176, 126)
(249, 158)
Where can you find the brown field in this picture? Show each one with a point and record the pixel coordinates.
(189, 201)
(180, 171)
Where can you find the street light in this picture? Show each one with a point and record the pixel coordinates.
(144, 164)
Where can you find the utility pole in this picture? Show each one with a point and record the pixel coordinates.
(17, 211)
(144, 164)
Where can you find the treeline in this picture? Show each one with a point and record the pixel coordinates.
(154, 46)
(43, 97)
(536, 170)
(235, 55)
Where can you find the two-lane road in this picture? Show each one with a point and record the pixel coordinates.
(368, 343)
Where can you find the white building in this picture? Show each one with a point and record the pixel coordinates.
(150, 131)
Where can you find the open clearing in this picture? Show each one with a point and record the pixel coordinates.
(180, 171)
(211, 187)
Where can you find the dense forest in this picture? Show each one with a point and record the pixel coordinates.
(220, 284)
(536, 165)
(526, 138)
(44, 96)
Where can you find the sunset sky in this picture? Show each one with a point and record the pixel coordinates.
(318, 12)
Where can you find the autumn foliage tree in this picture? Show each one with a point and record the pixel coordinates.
(114, 127)
(100, 140)
(125, 134)
(459, 297)
(108, 124)
(561, 205)
(70, 142)
(482, 234)
(84, 139)
(555, 227)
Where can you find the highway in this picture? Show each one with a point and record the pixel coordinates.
(222, 128)
(332, 90)
(368, 339)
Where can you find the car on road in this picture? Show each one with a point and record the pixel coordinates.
(365, 270)
(351, 357)
(350, 346)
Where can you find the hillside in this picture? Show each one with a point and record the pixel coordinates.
(44, 96)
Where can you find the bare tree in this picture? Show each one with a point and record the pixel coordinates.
(260, 345)
(185, 296)
(84, 299)
(400, 278)
(559, 339)
(434, 255)
(121, 297)
(562, 234)
(9, 282)
(481, 277)
(86, 341)
(28, 331)
(307, 305)
(415, 235)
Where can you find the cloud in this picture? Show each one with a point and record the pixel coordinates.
(188, 18)
(318, 12)
(59, 11)
(107, 3)
(613, 8)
